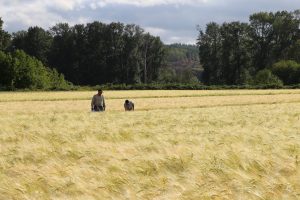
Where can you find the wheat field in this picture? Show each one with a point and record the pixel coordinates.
(225, 144)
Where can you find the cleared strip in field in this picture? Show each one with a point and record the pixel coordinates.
(146, 104)
(86, 95)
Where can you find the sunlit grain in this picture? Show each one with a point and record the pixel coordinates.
(206, 145)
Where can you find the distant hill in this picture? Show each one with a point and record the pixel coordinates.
(184, 57)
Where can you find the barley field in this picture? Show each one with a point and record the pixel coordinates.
(181, 145)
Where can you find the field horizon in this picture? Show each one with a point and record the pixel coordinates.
(223, 144)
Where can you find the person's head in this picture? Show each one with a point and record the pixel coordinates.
(100, 92)
(127, 101)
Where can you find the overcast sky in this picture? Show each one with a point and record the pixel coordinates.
(172, 20)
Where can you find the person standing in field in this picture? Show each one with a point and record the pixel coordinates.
(129, 106)
(98, 102)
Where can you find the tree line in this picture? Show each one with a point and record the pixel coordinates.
(95, 53)
(264, 51)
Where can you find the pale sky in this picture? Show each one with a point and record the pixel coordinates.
(175, 21)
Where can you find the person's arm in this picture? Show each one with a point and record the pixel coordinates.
(93, 103)
(104, 103)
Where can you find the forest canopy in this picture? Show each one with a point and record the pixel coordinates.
(234, 53)
(264, 51)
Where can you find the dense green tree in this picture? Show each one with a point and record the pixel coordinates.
(35, 42)
(209, 52)
(233, 53)
(99, 53)
(224, 53)
(65, 54)
(262, 33)
(266, 77)
(167, 75)
(6, 70)
(4, 37)
(273, 35)
(288, 71)
(19, 70)
(286, 29)
(153, 53)
(131, 67)
(235, 57)
(294, 51)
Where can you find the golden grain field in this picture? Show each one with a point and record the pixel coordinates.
(234, 144)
